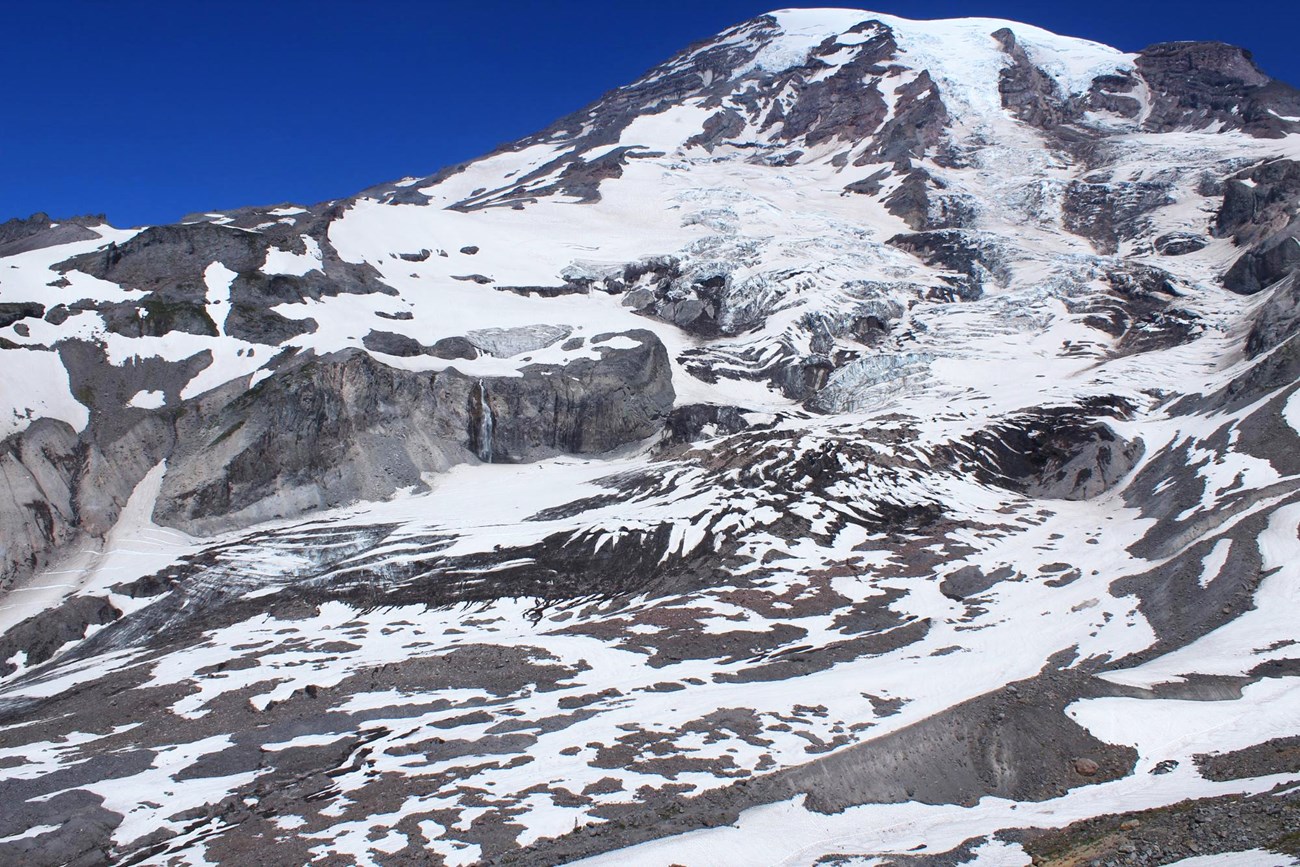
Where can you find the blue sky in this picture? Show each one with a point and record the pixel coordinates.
(147, 111)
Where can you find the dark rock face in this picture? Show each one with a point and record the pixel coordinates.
(1111, 93)
(695, 421)
(1110, 212)
(917, 128)
(1256, 271)
(342, 428)
(1055, 453)
(1178, 244)
(320, 432)
(37, 467)
(388, 343)
(39, 231)
(258, 324)
(974, 260)
(1141, 310)
(156, 315)
(106, 389)
(63, 486)
(172, 259)
(1260, 211)
(1030, 94)
(13, 311)
(1259, 202)
(1278, 319)
(921, 202)
(839, 106)
(40, 637)
(168, 264)
(1197, 84)
(453, 348)
(717, 129)
(1196, 828)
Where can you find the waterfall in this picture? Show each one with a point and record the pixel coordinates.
(483, 428)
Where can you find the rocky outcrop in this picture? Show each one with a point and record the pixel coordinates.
(14, 311)
(37, 508)
(1257, 270)
(922, 201)
(1028, 92)
(1179, 243)
(916, 128)
(388, 343)
(1259, 202)
(1110, 212)
(169, 264)
(58, 485)
(697, 421)
(1261, 211)
(1114, 93)
(334, 430)
(39, 231)
(1278, 320)
(974, 260)
(1055, 453)
(1141, 309)
(319, 432)
(1195, 85)
(847, 104)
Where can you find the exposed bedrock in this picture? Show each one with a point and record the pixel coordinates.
(921, 200)
(1178, 599)
(1107, 213)
(1194, 85)
(1261, 212)
(1055, 453)
(58, 485)
(320, 432)
(1261, 268)
(169, 264)
(1259, 201)
(697, 421)
(1114, 93)
(15, 311)
(1175, 487)
(838, 105)
(916, 128)
(39, 231)
(1030, 93)
(37, 468)
(1232, 827)
(1141, 310)
(1278, 319)
(1014, 743)
(342, 428)
(974, 258)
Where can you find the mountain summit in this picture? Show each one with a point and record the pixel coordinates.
(857, 438)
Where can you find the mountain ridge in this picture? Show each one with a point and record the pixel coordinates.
(865, 422)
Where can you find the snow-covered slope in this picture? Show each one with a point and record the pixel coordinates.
(857, 437)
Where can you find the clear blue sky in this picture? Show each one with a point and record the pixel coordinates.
(147, 111)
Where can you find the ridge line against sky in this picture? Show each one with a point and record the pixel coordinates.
(147, 110)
